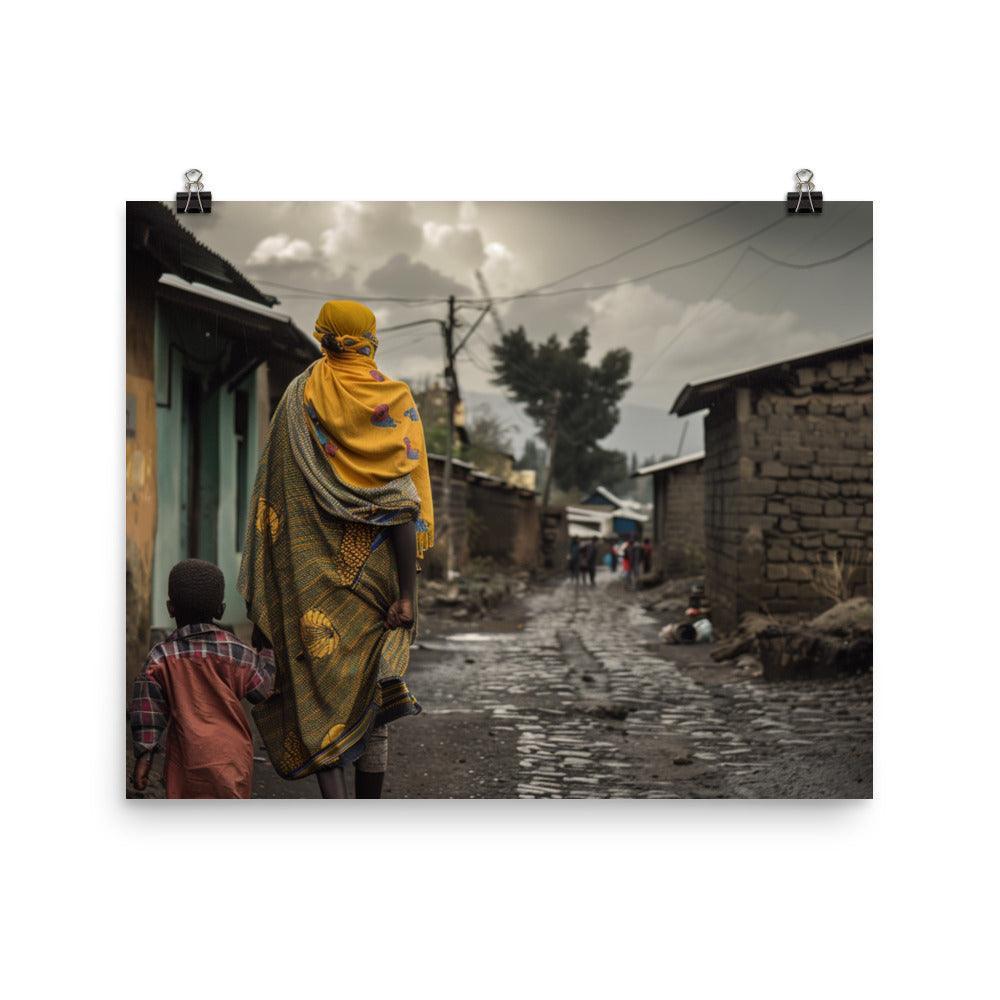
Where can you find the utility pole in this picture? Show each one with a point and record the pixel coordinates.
(448, 330)
(550, 444)
(551, 431)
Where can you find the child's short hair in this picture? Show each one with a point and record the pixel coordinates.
(196, 589)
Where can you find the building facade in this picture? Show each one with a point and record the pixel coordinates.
(505, 525)
(678, 514)
(206, 357)
(609, 516)
(436, 560)
(788, 482)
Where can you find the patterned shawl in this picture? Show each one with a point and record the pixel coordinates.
(365, 423)
(318, 574)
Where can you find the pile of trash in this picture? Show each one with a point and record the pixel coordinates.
(838, 641)
(669, 598)
(696, 626)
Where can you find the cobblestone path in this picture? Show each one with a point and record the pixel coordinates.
(585, 701)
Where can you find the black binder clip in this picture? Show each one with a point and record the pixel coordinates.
(196, 200)
(807, 200)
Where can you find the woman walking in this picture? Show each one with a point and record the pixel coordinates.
(341, 511)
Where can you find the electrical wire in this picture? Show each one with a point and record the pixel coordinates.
(415, 300)
(639, 277)
(416, 322)
(630, 250)
(312, 293)
(687, 325)
(715, 306)
(813, 263)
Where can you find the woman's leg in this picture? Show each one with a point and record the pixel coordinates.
(370, 767)
(331, 783)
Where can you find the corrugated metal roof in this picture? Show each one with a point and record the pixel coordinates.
(292, 337)
(670, 463)
(698, 395)
(157, 230)
(455, 461)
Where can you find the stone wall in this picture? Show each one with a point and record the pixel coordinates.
(679, 502)
(503, 524)
(788, 478)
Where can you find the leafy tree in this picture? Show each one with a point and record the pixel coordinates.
(432, 405)
(489, 444)
(574, 404)
(531, 456)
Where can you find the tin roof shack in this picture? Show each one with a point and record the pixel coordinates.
(788, 482)
(615, 517)
(435, 562)
(678, 514)
(504, 522)
(206, 355)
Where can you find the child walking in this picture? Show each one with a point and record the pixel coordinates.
(194, 681)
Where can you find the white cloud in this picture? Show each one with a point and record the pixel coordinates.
(502, 270)
(410, 366)
(673, 342)
(364, 235)
(280, 249)
(456, 250)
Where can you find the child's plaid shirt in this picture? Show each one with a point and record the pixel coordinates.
(248, 672)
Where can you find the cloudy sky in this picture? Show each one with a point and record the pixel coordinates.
(731, 310)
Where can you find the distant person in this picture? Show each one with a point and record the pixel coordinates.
(574, 559)
(613, 553)
(193, 682)
(647, 556)
(634, 559)
(592, 561)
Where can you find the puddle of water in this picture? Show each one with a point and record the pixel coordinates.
(471, 637)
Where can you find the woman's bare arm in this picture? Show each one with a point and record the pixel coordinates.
(404, 541)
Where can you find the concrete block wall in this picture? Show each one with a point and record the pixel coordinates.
(680, 519)
(722, 526)
(788, 476)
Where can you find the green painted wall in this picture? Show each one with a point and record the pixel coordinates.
(217, 528)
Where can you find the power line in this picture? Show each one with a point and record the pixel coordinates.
(641, 277)
(686, 326)
(663, 270)
(630, 250)
(814, 263)
(714, 306)
(416, 300)
(416, 322)
(315, 293)
(402, 342)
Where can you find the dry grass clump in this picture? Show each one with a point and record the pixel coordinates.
(835, 573)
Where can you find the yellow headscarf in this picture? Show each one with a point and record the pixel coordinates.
(365, 422)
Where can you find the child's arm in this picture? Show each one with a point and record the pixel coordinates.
(148, 716)
(260, 674)
(404, 541)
